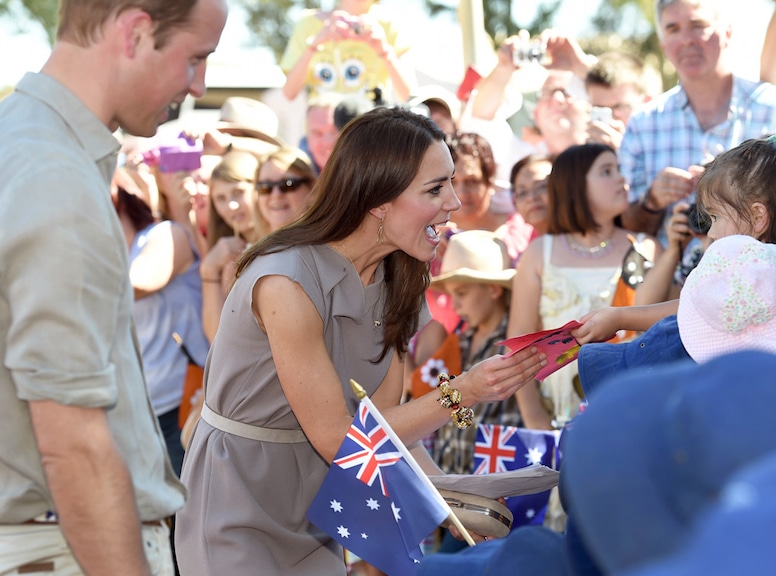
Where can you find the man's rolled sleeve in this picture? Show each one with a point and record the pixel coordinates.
(60, 335)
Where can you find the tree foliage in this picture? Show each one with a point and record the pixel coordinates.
(271, 23)
(42, 12)
(613, 17)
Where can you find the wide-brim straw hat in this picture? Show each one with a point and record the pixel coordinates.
(475, 256)
(250, 118)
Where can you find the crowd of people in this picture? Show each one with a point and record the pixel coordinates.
(181, 323)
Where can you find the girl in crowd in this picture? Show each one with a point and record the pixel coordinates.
(334, 296)
(232, 225)
(529, 191)
(574, 268)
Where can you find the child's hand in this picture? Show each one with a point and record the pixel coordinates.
(598, 326)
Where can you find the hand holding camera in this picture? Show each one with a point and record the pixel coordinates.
(602, 128)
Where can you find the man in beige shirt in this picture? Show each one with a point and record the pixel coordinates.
(86, 480)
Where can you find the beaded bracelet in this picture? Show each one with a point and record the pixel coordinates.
(451, 398)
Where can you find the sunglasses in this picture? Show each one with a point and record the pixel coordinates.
(285, 186)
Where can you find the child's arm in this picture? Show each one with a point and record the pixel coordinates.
(600, 325)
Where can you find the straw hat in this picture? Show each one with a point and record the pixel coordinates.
(248, 117)
(475, 256)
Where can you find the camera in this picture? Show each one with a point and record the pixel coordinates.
(528, 51)
(183, 155)
(698, 221)
(601, 114)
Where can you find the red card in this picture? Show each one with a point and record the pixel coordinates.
(470, 80)
(558, 344)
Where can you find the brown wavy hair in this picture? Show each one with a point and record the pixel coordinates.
(375, 159)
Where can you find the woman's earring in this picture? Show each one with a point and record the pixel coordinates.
(380, 237)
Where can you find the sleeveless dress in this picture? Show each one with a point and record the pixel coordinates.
(569, 292)
(248, 499)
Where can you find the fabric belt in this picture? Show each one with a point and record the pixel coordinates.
(251, 432)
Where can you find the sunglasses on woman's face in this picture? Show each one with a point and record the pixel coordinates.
(287, 185)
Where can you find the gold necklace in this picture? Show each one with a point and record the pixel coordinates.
(377, 322)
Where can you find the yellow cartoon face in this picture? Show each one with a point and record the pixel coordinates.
(346, 67)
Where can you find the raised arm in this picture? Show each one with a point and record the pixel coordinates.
(166, 254)
(217, 274)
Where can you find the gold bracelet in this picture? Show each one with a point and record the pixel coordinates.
(451, 398)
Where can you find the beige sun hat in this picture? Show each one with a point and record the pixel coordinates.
(475, 256)
(249, 117)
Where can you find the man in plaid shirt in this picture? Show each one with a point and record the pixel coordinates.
(667, 142)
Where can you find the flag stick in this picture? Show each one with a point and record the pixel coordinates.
(361, 394)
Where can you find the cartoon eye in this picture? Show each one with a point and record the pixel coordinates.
(326, 74)
(553, 342)
(352, 72)
(567, 340)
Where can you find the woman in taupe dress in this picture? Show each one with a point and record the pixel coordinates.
(336, 295)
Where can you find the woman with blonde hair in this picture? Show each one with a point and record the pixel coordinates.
(232, 225)
(284, 185)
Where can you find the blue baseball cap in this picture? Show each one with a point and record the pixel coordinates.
(734, 536)
(526, 550)
(659, 345)
(650, 453)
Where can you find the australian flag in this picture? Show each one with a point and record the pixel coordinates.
(373, 502)
(502, 448)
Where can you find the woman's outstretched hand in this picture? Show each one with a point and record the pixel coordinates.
(499, 376)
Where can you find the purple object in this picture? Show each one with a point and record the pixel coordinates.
(182, 156)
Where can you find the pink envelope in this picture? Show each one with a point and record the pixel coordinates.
(558, 344)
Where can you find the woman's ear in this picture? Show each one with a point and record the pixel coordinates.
(379, 212)
(761, 219)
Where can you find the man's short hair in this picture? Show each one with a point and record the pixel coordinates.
(80, 21)
(617, 69)
(660, 5)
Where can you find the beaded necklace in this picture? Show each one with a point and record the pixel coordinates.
(597, 251)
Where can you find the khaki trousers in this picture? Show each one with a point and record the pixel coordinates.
(41, 550)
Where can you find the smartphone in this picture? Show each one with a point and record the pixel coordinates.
(601, 114)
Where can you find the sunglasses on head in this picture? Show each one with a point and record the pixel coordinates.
(287, 185)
